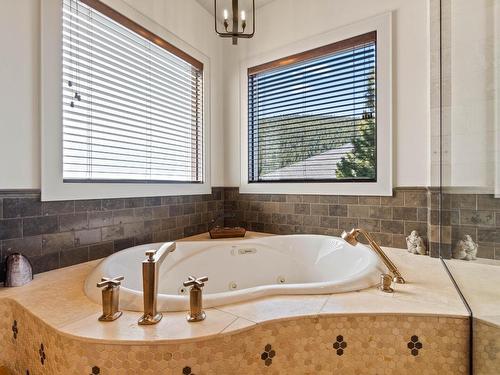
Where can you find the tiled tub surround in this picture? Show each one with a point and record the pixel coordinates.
(354, 345)
(388, 219)
(62, 233)
(422, 327)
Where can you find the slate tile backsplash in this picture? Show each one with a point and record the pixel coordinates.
(476, 215)
(62, 233)
(388, 219)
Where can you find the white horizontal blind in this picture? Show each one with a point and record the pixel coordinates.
(314, 120)
(132, 111)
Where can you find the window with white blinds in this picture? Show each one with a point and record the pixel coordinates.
(312, 116)
(132, 102)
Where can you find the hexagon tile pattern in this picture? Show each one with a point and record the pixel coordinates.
(268, 355)
(340, 345)
(305, 342)
(486, 347)
(414, 345)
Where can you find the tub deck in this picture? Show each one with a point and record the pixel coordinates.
(57, 299)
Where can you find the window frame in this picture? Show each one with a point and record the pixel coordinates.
(53, 186)
(305, 57)
(311, 47)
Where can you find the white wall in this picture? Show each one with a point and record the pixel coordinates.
(19, 99)
(282, 22)
(471, 95)
(20, 80)
(278, 23)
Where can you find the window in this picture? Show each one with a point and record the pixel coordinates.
(132, 104)
(312, 116)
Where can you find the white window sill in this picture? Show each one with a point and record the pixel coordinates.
(327, 188)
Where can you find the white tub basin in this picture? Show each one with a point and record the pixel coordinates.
(243, 269)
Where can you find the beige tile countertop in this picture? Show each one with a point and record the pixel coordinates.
(479, 282)
(57, 298)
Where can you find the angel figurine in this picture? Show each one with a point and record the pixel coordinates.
(415, 243)
(466, 249)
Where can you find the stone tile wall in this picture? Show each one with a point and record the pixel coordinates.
(477, 215)
(62, 233)
(388, 219)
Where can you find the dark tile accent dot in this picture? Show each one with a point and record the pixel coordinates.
(41, 353)
(340, 345)
(15, 330)
(268, 354)
(414, 345)
(187, 371)
(95, 370)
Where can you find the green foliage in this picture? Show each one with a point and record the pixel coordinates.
(361, 161)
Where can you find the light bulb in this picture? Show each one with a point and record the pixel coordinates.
(225, 14)
(243, 16)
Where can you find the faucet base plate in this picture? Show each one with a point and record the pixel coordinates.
(147, 319)
(196, 318)
(111, 317)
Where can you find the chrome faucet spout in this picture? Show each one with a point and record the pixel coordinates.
(150, 268)
(158, 256)
(352, 239)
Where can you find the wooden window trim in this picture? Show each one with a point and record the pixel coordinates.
(134, 26)
(314, 53)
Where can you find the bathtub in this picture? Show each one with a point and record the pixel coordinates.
(240, 270)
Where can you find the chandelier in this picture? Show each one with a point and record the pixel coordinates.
(235, 27)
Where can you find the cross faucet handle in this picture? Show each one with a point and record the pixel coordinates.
(110, 281)
(193, 281)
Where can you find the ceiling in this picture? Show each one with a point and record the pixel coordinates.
(221, 4)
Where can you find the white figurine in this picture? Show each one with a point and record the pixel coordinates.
(466, 249)
(415, 243)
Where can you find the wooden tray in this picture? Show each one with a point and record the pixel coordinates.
(227, 232)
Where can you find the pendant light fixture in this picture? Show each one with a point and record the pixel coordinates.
(235, 26)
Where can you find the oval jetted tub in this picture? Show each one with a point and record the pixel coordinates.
(243, 269)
